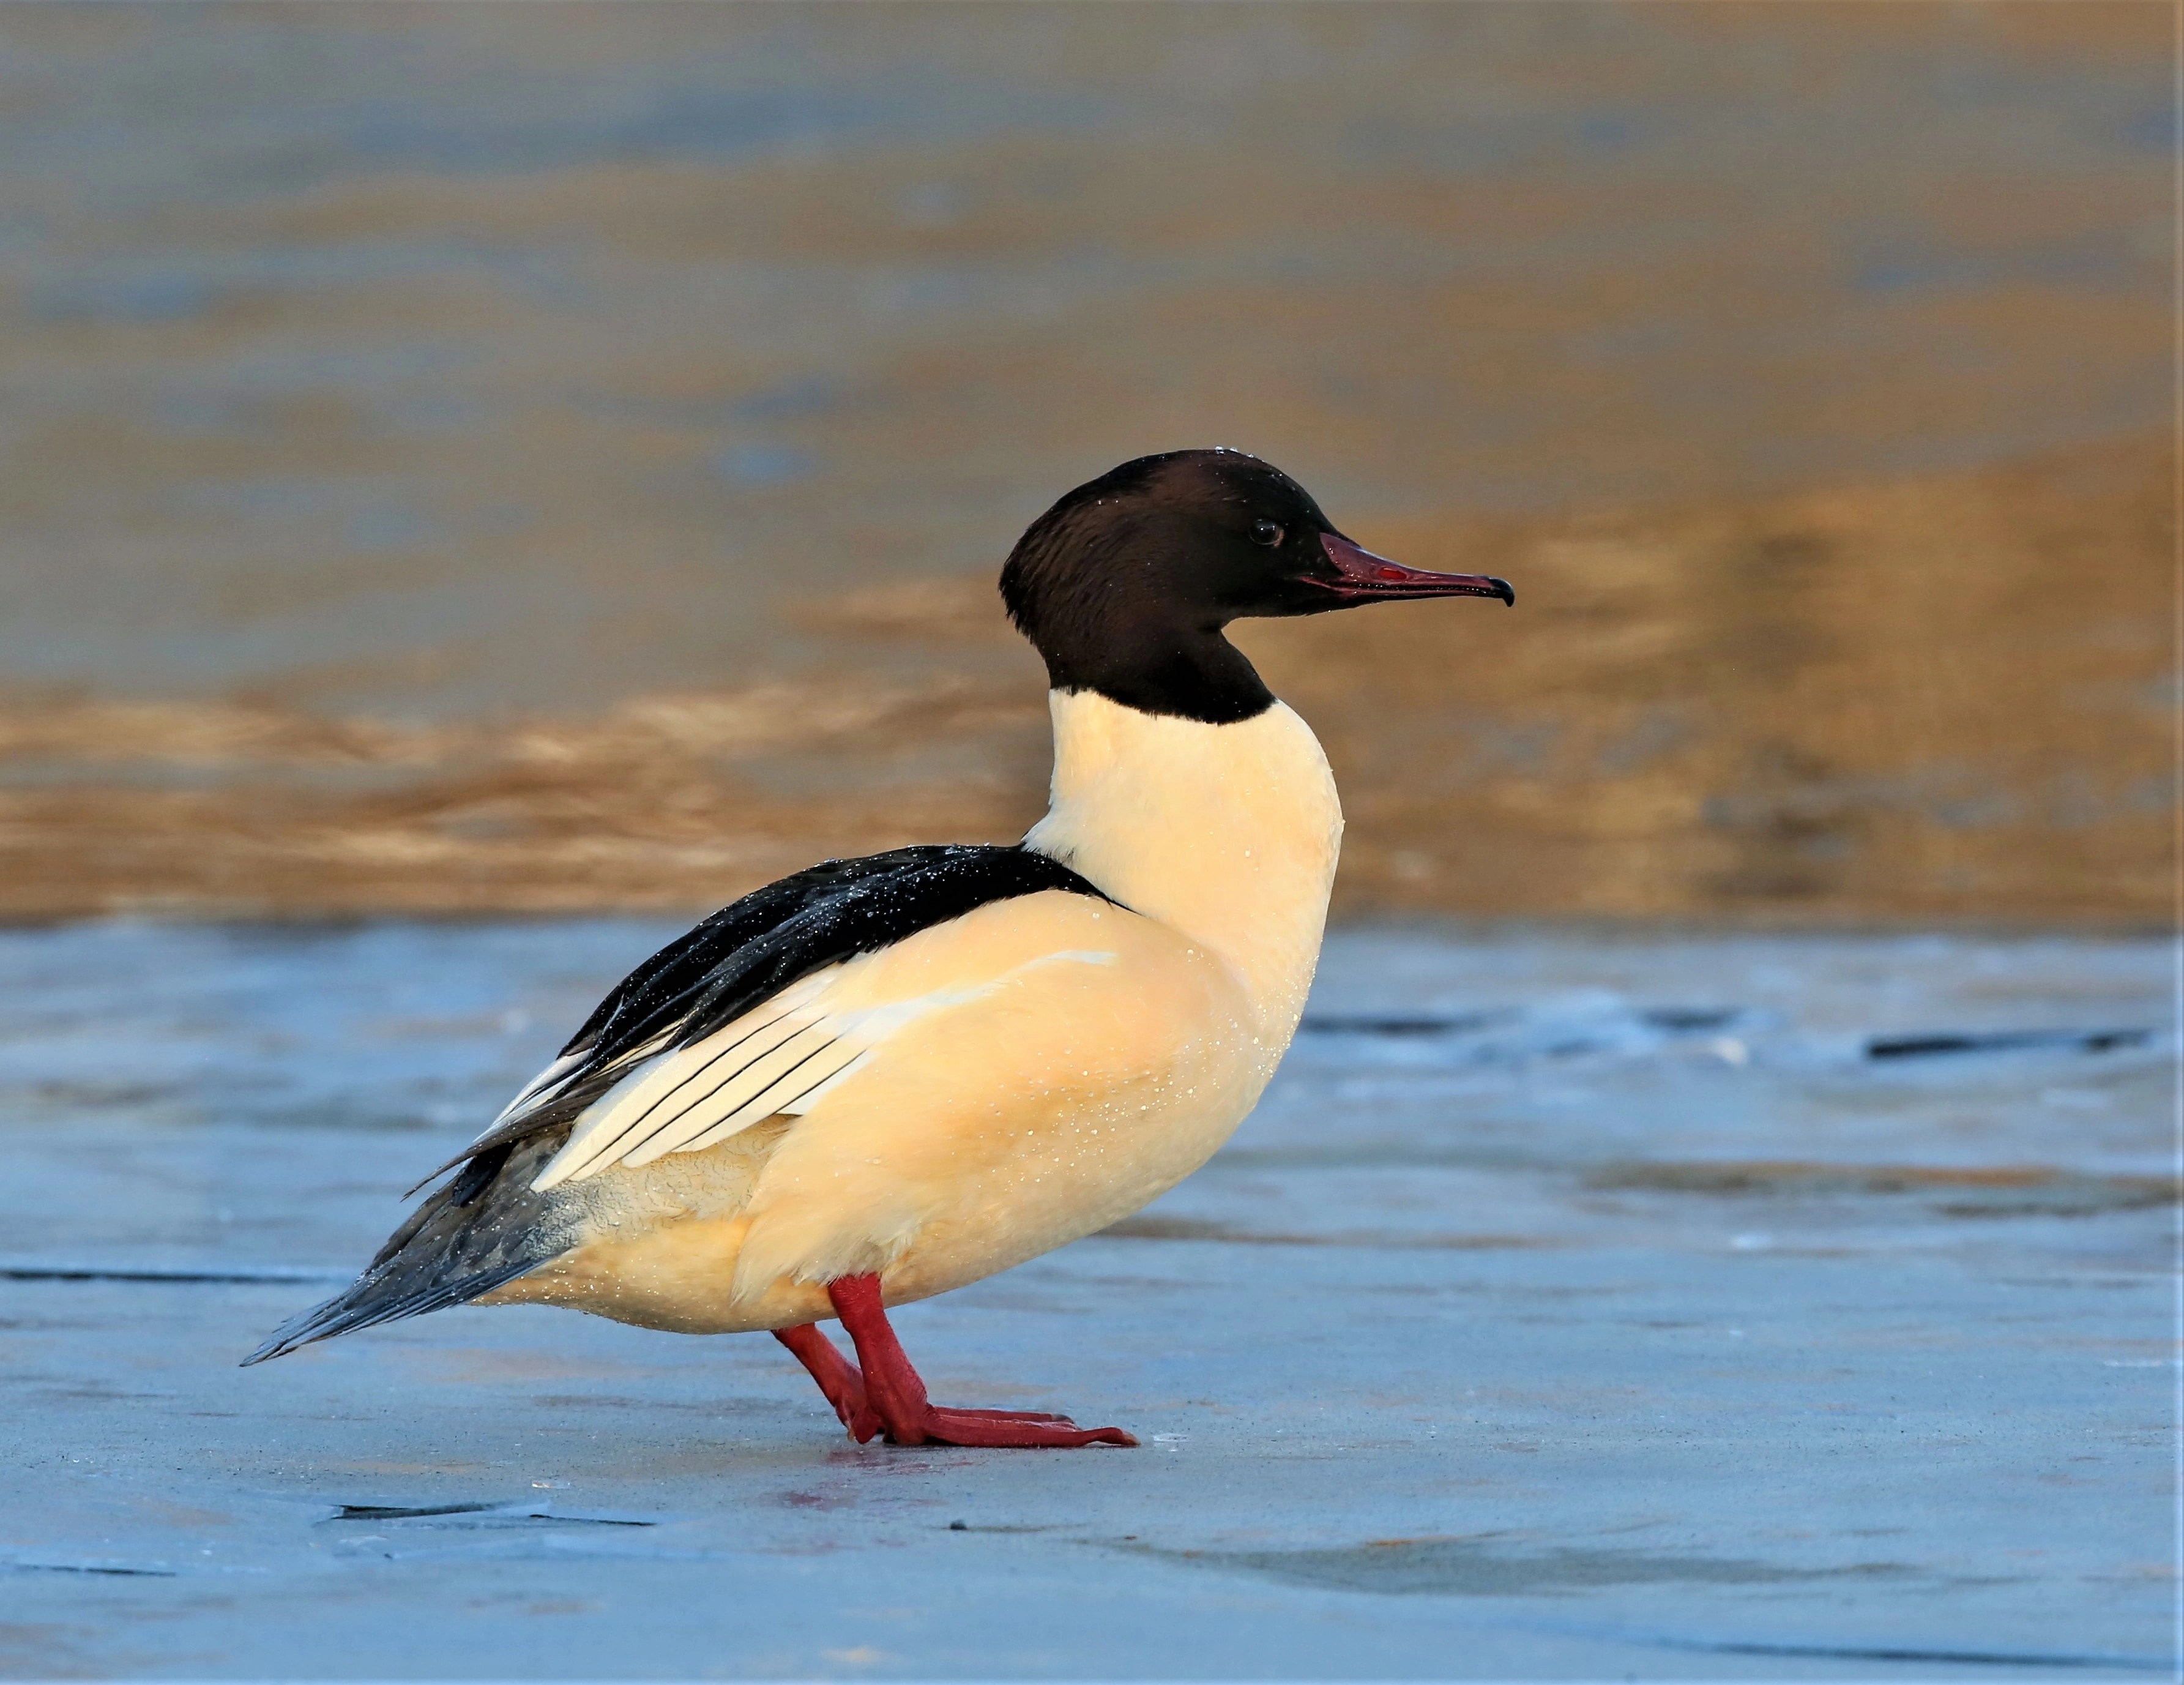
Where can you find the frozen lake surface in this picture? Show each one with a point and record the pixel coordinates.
(1575, 1306)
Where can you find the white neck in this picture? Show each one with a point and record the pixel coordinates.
(1227, 833)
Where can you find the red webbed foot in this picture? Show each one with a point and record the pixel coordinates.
(943, 1426)
(886, 1397)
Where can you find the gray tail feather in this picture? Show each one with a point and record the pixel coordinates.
(374, 1299)
(485, 1227)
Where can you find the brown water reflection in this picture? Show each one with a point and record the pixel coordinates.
(490, 458)
(1942, 700)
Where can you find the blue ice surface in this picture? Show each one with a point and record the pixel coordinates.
(1576, 1305)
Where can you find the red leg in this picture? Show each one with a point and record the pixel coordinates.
(845, 1387)
(837, 1376)
(897, 1397)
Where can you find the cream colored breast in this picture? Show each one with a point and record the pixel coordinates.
(1227, 834)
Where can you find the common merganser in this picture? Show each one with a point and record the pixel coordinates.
(882, 1078)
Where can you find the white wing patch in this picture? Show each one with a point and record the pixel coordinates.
(781, 1057)
(539, 1089)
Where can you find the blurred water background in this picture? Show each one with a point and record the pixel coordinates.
(476, 457)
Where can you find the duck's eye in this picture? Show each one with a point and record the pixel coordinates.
(1266, 532)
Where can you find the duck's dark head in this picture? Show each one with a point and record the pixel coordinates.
(1125, 584)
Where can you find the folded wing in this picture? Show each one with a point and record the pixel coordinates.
(704, 1029)
(778, 1057)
